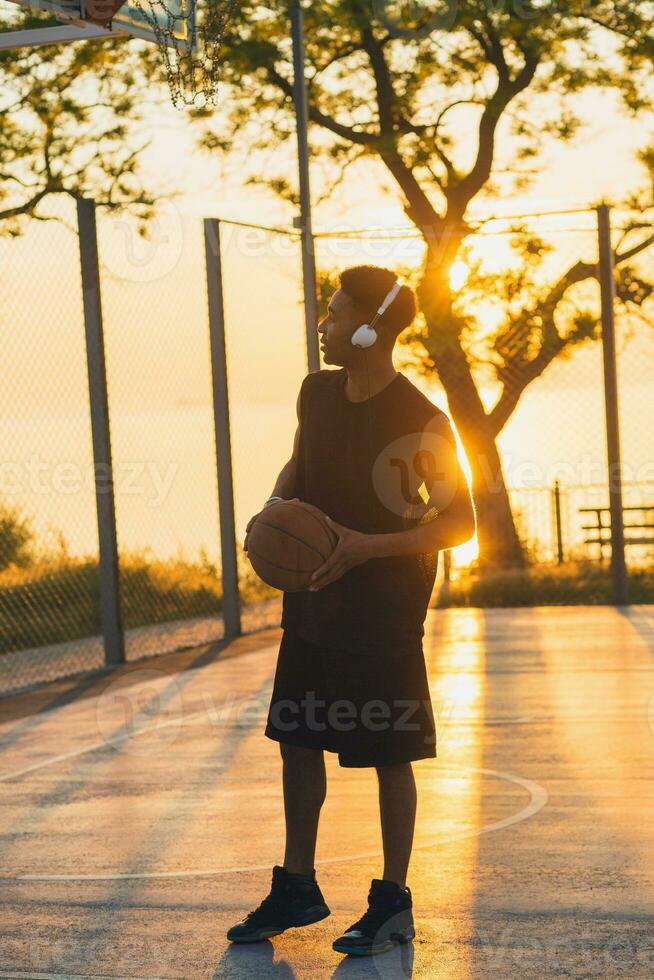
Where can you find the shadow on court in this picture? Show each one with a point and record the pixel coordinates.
(258, 960)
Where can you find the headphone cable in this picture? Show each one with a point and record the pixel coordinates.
(365, 358)
(370, 452)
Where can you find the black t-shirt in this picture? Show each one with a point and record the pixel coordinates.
(355, 464)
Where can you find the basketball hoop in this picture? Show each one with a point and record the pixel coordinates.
(190, 45)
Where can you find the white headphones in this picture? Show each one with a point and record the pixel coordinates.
(365, 336)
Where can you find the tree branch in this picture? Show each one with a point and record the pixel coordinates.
(418, 207)
(462, 192)
(634, 250)
(518, 376)
(361, 137)
(386, 97)
(27, 206)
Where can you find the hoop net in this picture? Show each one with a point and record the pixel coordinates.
(190, 47)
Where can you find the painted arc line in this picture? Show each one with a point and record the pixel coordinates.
(538, 797)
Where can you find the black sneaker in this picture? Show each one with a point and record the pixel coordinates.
(294, 900)
(389, 920)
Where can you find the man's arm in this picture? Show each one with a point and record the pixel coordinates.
(449, 496)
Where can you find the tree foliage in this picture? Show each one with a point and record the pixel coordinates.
(65, 125)
(446, 118)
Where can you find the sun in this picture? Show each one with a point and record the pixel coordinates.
(459, 273)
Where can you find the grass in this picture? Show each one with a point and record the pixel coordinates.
(57, 599)
(573, 583)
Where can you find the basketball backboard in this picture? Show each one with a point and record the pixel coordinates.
(74, 25)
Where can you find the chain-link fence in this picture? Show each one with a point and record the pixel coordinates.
(162, 423)
(262, 273)
(159, 393)
(267, 357)
(527, 295)
(49, 589)
(544, 384)
(554, 443)
(635, 370)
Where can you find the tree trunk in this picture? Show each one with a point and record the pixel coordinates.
(499, 544)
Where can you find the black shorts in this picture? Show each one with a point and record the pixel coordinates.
(372, 709)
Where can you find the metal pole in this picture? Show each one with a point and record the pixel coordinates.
(607, 287)
(557, 517)
(444, 593)
(302, 124)
(229, 561)
(112, 629)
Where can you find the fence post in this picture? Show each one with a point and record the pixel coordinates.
(607, 289)
(556, 494)
(302, 125)
(112, 629)
(444, 591)
(229, 562)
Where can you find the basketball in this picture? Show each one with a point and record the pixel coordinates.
(287, 542)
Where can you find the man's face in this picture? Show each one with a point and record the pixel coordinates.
(337, 328)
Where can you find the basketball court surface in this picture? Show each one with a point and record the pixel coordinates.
(141, 813)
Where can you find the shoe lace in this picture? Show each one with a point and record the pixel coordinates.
(372, 920)
(271, 903)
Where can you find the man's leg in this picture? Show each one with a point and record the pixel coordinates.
(293, 900)
(389, 918)
(305, 789)
(397, 806)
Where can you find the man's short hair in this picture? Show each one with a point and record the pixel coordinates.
(367, 285)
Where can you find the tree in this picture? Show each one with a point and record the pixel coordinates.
(16, 537)
(406, 99)
(66, 113)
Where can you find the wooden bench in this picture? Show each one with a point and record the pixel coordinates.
(602, 529)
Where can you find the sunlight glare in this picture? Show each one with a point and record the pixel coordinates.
(459, 273)
(466, 553)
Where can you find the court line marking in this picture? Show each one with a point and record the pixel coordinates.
(116, 740)
(205, 713)
(537, 793)
(538, 798)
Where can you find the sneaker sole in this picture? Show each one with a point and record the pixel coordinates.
(398, 939)
(315, 914)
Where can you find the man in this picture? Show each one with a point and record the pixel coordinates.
(379, 459)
